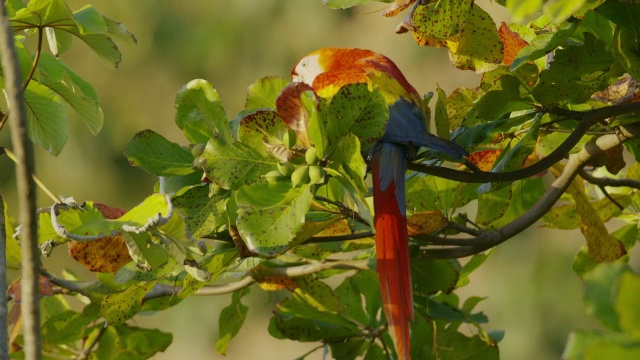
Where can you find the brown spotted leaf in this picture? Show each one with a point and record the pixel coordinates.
(107, 254)
(484, 159)
(425, 222)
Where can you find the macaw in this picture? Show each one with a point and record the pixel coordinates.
(326, 71)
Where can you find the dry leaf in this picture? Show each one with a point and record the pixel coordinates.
(425, 222)
(512, 43)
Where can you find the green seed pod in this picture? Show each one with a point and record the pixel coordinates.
(311, 156)
(197, 149)
(286, 168)
(300, 176)
(274, 176)
(316, 174)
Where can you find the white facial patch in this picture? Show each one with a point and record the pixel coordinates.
(307, 70)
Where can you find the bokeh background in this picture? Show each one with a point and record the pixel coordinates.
(530, 288)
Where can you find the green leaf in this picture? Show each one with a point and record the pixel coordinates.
(46, 118)
(199, 112)
(234, 165)
(119, 32)
(89, 20)
(214, 265)
(120, 307)
(230, 321)
(200, 210)
(577, 72)
(471, 265)
(543, 44)
(430, 276)
(43, 13)
(626, 303)
(348, 159)
(270, 215)
(599, 297)
(263, 93)
(102, 45)
(441, 116)
(349, 349)
(74, 90)
(354, 109)
(496, 104)
(493, 206)
(68, 326)
(625, 50)
(262, 127)
(131, 343)
(157, 155)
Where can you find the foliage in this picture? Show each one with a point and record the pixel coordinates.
(278, 195)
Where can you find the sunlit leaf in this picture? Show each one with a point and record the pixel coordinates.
(271, 215)
(263, 93)
(233, 165)
(199, 112)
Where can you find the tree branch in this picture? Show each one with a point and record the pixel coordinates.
(470, 246)
(4, 335)
(586, 118)
(255, 276)
(606, 181)
(26, 190)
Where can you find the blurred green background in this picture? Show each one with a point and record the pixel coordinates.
(531, 290)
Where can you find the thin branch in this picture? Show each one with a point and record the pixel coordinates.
(87, 351)
(470, 246)
(606, 181)
(4, 335)
(37, 180)
(26, 190)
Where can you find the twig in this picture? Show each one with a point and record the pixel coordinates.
(26, 191)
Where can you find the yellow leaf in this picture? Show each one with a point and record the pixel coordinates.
(425, 222)
(602, 246)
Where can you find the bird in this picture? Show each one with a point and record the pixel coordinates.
(327, 70)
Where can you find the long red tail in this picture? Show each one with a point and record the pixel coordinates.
(392, 248)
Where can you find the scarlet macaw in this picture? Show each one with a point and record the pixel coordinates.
(326, 70)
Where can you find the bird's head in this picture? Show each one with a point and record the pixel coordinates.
(307, 69)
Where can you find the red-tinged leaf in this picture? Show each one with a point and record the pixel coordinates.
(512, 43)
(484, 159)
(397, 7)
(46, 289)
(292, 110)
